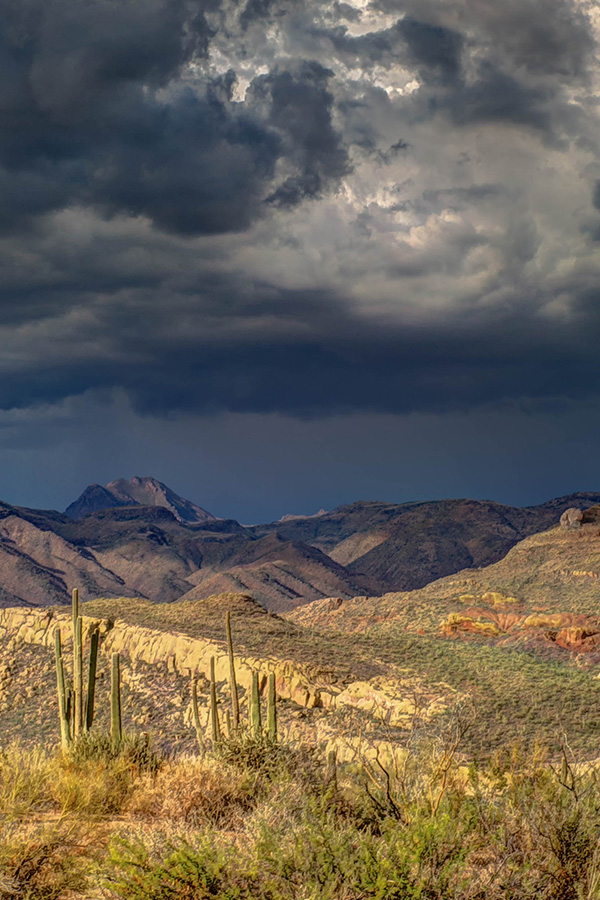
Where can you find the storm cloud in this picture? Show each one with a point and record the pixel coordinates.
(299, 208)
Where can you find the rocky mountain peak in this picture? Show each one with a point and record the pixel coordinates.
(137, 491)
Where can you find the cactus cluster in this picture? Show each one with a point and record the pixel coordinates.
(232, 719)
(76, 710)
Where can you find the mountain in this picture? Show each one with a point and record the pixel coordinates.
(38, 567)
(137, 492)
(405, 546)
(546, 583)
(519, 639)
(144, 551)
(280, 572)
(152, 544)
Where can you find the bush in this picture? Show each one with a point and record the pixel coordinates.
(41, 863)
(197, 792)
(134, 753)
(95, 780)
(186, 872)
(25, 779)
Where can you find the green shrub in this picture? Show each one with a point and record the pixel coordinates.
(135, 751)
(186, 872)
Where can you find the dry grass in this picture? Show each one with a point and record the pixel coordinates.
(110, 827)
(195, 792)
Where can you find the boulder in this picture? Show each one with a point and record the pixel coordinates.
(572, 518)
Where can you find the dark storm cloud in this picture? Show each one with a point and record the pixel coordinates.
(298, 207)
(548, 37)
(300, 105)
(91, 113)
(433, 48)
(345, 364)
(205, 174)
(497, 96)
(256, 10)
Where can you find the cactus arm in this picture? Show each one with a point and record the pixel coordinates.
(214, 713)
(196, 713)
(255, 719)
(75, 607)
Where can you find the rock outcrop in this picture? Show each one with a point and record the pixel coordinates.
(571, 518)
(181, 653)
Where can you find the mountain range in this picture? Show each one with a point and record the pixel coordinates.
(138, 538)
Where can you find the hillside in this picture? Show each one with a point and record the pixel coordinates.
(155, 545)
(146, 552)
(556, 571)
(405, 546)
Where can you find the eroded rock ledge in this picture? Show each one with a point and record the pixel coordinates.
(181, 653)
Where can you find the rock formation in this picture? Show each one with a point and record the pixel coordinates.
(571, 518)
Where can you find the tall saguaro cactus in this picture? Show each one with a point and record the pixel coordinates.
(214, 713)
(255, 718)
(78, 672)
(65, 730)
(116, 729)
(235, 703)
(272, 710)
(91, 685)
(77, 664)
(75, 715)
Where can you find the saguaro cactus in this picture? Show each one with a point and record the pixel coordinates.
(77, 664)
(272, 709)
(235, 703)
(214, 712)
(196, 713)
(255, 718)
(116, 730)
(78, 675)
(65, 730)
(91, 685)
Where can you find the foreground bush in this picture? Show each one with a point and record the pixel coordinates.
(272, 824)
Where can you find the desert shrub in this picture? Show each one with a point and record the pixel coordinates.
(186, 871)
(25, 778)
(91, 789)
(317, 855)
(198, 792)
(135, 751)
(558, 811)
(41, 863)
(94, 779)
(259, 754)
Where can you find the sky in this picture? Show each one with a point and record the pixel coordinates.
(287, 254)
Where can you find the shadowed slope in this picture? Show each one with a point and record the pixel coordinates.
(405, 546)
(556, 571)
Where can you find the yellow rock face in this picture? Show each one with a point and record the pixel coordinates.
(181, 653)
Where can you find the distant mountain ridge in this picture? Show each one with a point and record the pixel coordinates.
(145, 491)
(545, 593)
(137, 538)
(404, 546)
